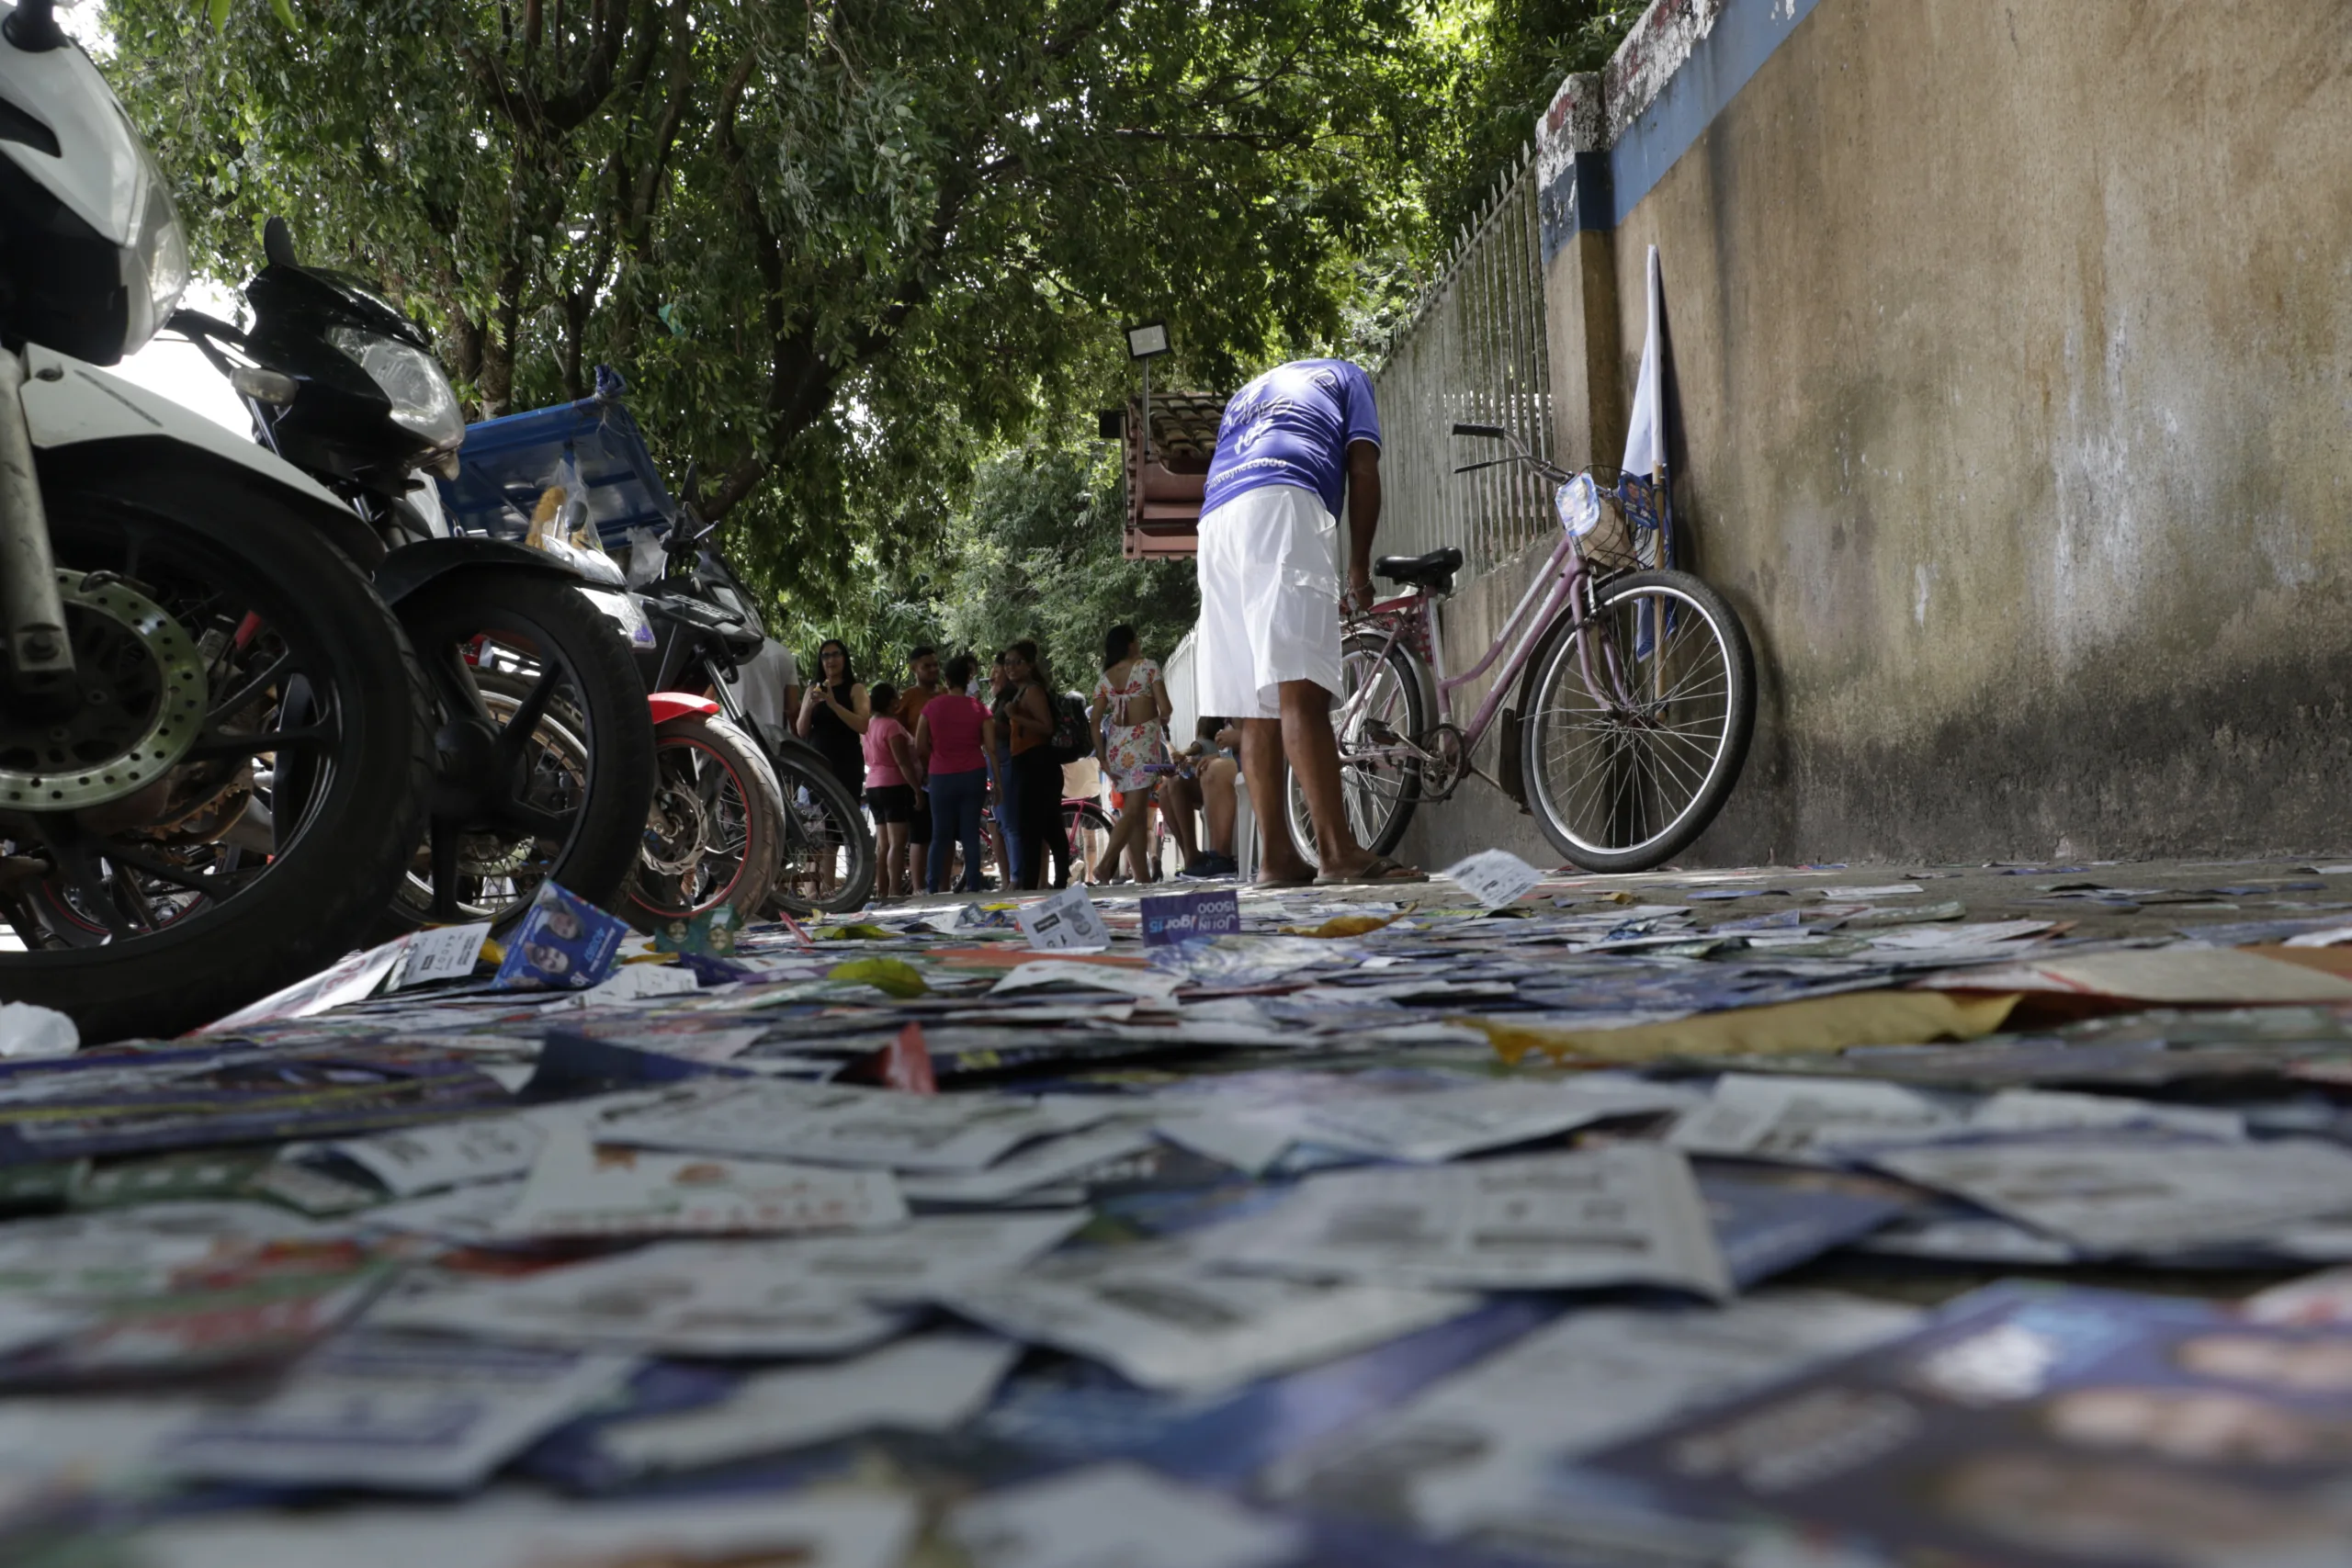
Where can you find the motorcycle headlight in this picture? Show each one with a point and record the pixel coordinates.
(423, 399)
(159, 250)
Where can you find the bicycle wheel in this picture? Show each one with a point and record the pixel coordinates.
(822, 825)
(1088, 830)
(1624, 780)
(1380, 776)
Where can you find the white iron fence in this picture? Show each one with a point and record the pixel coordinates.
(1474, 350)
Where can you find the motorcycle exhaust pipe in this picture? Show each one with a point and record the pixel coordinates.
(32, 616)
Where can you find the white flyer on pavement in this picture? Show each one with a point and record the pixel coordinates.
(1041, 1164)
(1806, 1121)
(371, 1410)
(838, 1125)
(1628, 1214)
(635, 983)
(1067, 922)
(2118, 1193)
(443, 952)
(798, 1296)
(1145, 984)
(578, 1188)
(934, 1382)
(1479, 1448)
(2050, 1110)
(1493, 877)
(1447, 1124)
(1123, 1515)
(1162, 1317)
(833, 1530)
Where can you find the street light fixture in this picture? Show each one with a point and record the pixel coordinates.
(1147, 342)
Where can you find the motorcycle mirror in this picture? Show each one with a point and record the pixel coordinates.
(690, 491)
(32, 27)
(278, 243)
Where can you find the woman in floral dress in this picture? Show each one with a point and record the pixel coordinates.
(1130, 709)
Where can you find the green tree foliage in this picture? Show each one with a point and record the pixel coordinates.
(1034, 553)
(840, 247)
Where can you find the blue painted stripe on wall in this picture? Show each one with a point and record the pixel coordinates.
(1583, 196)
(1746, 34)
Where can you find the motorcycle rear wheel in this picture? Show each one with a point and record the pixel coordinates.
(314, 703)
(823, 825)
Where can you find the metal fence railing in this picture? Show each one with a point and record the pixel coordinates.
(1472, 349)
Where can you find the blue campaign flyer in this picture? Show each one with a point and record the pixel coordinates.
(565, 943)
(2039, 1427)
(1189, 917)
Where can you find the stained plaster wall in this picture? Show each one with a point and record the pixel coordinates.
(2013, 361)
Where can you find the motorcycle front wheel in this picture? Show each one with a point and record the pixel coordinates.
(828, 861)
(714, 831)
(545, 748)
(226, 649)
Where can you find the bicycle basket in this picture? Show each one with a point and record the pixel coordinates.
(1626, 535)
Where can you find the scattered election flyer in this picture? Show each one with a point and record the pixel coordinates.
(439, 953)
(1807, 1121)
(580, 1188)
(1447, 1124)
(2121, 1193)
(1630, 1214)
(1164, 1316)
(1493, 877)
(1476, 1451)
(2038, 1426)
(840, 1124)
(1067, 922)
(833, 1529)
(1119, 1513)
(394, 1414)
(564, 943)
(1175, 918)
(823, 1295)
(933, 1383)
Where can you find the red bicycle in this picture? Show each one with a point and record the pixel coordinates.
(1634, 689)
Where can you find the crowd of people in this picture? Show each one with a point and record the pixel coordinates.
(962, 769)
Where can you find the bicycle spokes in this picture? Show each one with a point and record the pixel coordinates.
(1633, 721)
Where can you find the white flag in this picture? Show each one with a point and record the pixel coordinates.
(1646, 436)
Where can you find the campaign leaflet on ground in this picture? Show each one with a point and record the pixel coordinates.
(2040, 1426)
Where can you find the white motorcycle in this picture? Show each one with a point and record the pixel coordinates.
(215, 742)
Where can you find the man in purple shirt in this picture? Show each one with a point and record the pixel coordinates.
(1292, 443)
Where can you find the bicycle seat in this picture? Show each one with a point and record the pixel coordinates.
(1433, 572)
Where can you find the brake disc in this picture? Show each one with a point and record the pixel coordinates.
(143, 695)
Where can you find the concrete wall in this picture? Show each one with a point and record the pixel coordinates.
(2013, 366)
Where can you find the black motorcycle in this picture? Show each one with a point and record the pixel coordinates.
(214, 740)
(706, 626)
(544, 745)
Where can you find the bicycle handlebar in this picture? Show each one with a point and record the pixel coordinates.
(1491, 432)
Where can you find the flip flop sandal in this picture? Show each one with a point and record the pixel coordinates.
(1380, 869)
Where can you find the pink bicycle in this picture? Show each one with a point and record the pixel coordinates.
(1625, 702)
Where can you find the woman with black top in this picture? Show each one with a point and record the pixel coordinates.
(1023, 709)
(832, 718)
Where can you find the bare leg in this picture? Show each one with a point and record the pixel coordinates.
(1176, 808)
(1218, 804)
(1140, 842)
(1314, 754)
(1261, 759)
(1123, 836)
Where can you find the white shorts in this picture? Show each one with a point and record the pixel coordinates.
(1270, 600)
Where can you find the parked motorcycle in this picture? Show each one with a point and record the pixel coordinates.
(706, 626)
(215, 742)
(544, 743)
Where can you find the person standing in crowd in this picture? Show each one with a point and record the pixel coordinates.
(891, 775)
(1203, 782)
(1026, 709)
(1291, 443)
(1008, 817)
(954, 736)
(923, 666)
(833, 716)
(1130, 709)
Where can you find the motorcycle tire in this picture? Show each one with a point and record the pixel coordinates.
(822, 818)
(242, 572)
(714, 827)
(591, 751)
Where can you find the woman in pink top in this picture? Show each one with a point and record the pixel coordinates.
(954, 738)
(891, 776)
